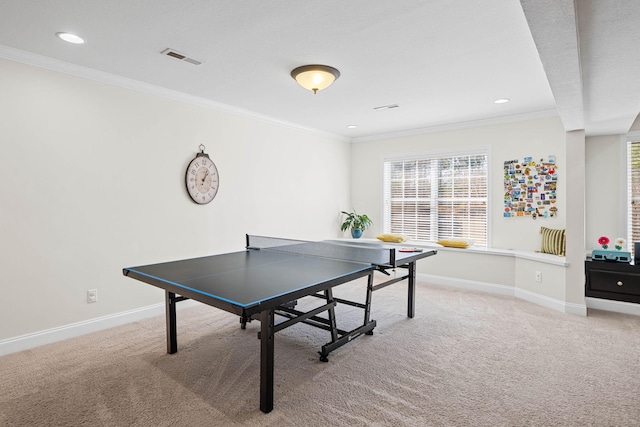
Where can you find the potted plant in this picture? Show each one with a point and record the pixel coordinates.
(356, 222)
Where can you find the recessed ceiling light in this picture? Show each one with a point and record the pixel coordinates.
(352, 126)
(71, 38)
(501, 101)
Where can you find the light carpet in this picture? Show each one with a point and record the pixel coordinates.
(466, 359)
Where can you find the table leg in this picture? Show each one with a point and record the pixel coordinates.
(170, 308)
(266, 360)
(367, 301)
(411, 291)
(332, 315)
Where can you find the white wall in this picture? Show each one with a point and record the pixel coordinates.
(605, 180)
(537, 138)
(575, 219)
(92, 180)
(515, 140)
(562, 286)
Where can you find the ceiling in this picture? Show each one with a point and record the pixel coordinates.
(443, 62)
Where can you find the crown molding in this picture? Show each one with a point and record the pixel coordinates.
(633, 136)
(57, 65)
(460, 125)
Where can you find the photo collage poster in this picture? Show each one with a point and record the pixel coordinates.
(530, 188)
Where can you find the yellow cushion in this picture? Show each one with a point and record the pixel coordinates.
(393, 238)
(455, 243)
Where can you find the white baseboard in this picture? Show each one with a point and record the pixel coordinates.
(552, 303)
(466, 284)
(611, 305)
(25, 342)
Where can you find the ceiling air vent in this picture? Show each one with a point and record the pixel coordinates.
(181, 56)
(386, 107)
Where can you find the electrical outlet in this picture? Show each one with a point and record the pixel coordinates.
(92, 295)
(538, 276)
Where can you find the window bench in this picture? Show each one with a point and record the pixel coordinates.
(529, 255)
(529, 275)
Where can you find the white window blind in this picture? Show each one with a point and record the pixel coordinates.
(437, 197)
(633, 193)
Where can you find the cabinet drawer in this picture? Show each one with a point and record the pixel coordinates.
(610, 281)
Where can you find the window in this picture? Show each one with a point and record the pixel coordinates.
(437, 196)
(633, 193)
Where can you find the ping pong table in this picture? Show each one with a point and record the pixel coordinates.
(269, 276)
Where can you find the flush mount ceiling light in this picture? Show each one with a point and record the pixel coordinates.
(501, 101)
(71, 38)
(315, 77)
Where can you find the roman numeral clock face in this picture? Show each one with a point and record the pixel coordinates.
(202, 179)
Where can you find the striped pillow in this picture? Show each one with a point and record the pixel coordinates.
(553, 241)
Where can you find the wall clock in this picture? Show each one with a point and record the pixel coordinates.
(202, 178)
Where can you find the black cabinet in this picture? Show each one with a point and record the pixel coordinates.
(612, 280)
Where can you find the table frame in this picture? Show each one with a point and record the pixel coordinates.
(266, 312)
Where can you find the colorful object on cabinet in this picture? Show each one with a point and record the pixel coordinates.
(609, 255)
(530, 188)
(604, 242)
(606, 254)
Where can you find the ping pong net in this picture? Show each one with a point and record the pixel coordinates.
(337, 251)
